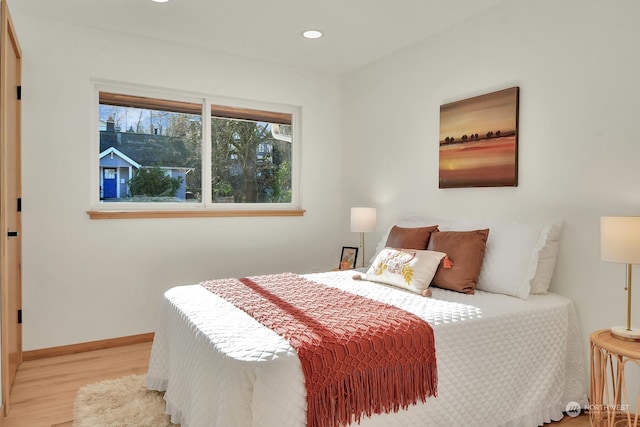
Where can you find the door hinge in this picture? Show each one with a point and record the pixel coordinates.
(12, 234)
(19, 92)
(20, 317)
(19, 204)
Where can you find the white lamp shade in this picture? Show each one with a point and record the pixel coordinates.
(620, 239)
(363, 220)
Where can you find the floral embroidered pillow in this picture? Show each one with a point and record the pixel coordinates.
(409, 269)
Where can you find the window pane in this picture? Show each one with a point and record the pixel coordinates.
(149, 154)
(250, 161)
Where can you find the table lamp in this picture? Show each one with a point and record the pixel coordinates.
(363, 220)
(620, 242)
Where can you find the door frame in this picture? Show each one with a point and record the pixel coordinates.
(8, 90)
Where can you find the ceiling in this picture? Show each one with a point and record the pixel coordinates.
(356, 32)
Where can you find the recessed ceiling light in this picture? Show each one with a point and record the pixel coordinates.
(312, 34)
(160, 1)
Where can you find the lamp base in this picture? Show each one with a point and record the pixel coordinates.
(623, 333)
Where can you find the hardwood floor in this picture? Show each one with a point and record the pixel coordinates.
(44, 389)
(581, 421)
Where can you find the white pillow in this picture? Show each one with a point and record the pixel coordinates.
(409, 269)
(513, 256)
(547, 258)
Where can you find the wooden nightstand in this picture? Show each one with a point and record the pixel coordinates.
(610, 394)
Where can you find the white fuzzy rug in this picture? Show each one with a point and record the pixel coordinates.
(118, 403)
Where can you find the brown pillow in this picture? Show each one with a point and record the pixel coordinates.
(410, 238)
(465, 250)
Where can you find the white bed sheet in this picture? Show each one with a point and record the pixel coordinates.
(501, 361)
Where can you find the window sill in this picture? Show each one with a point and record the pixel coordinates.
(192, 214)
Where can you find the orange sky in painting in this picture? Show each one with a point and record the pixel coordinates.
(481, 114)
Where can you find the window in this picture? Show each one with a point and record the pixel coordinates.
(165, 153)
(250, 160)
(150, 150)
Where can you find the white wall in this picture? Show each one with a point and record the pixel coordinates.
(87, 280)
(576, 63)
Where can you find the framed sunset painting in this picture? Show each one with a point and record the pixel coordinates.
(479, 141)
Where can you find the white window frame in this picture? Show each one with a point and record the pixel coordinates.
(102, 210)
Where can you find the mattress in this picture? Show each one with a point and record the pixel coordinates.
(501, 361)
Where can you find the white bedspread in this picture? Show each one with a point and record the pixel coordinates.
(502, 361)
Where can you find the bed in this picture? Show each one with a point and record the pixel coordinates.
(501, 360)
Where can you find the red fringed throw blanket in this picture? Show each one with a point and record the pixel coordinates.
(358, 356)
